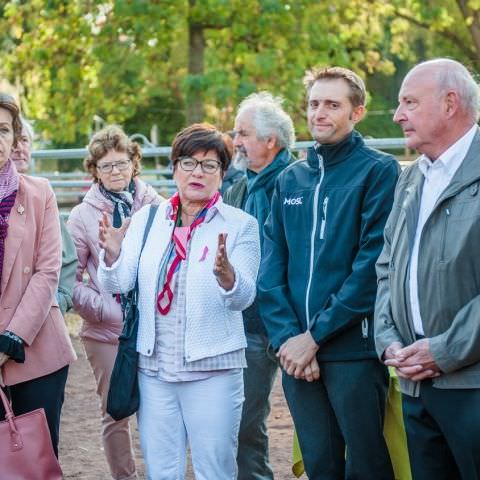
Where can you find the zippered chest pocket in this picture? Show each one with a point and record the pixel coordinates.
(323, 223)
(460, 225)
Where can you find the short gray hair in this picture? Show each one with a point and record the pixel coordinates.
(28, 127)
(452, 75)
(269, 118)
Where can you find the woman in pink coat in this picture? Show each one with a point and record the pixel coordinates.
(35, 349)
(114, 162)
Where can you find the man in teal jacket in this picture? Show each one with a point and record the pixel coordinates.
(427, 312)
(264, 134)
(317, 284)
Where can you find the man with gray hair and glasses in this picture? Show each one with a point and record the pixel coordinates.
(427, 311)
(264, 134)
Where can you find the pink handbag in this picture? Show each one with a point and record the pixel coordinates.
(26, 451)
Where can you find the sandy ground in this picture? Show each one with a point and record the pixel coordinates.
(81, 453)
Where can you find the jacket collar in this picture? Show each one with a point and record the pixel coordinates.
(451, 159)
(336, 152)
(467, 173)
(411, 204)
(94, 197)
(219, 207)
(281, 159)
(16, 231)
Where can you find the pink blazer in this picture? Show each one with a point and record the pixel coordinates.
(31, 266)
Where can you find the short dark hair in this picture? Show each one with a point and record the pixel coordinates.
(202, 137)
(7, 102)
(358, 92)
(112, 137)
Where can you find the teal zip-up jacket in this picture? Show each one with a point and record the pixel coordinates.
(321, 241)
(237, 196)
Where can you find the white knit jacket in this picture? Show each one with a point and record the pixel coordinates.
(214, 322)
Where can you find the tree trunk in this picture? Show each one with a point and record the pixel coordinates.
(472, 21)
(196, 49)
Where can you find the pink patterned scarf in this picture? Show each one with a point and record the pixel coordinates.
(8, 180)
(180, 237)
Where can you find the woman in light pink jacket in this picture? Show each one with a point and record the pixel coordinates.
(35, 349)
(114, 162)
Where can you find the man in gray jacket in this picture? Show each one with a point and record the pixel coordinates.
(264, 134)
(427, 323)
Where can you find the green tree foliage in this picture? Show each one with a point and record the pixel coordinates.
(134, 62)
(426, 28)
(75, 59)
(272, 43)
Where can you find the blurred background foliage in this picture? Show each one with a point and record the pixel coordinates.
(78, 63)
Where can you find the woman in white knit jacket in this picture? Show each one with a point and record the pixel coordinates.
(196, 274)
(114, 162)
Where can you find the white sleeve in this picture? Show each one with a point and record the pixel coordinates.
(245, 259)
(121, 276)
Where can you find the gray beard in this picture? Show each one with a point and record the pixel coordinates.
(240, 161)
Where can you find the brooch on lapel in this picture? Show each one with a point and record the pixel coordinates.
(20, 209)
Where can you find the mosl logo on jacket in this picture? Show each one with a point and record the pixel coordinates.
(293, 201)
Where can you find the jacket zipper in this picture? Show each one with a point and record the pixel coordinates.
(324, 218)
(312, 239)
(444, 236)
(365, 328)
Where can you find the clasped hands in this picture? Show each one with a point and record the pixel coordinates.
(414, 362)
(297, 357)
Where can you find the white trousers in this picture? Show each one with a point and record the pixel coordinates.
(205, 414)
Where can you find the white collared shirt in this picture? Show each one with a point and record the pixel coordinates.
(438, 175)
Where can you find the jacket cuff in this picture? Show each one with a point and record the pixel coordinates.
(382, 342)
(64, 300)
(12, 345)
(277, 342)
(233, 290)
(241, 295)
(113, 266)
(440, 354)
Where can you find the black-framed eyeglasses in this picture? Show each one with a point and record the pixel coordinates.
(108, 167)
(189, 164)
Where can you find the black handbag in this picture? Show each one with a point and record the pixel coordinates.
(123, 394)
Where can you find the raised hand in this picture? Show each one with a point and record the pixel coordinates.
(222, 268)
(110, 238)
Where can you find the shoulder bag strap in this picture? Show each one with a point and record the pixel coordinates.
(151, 216)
